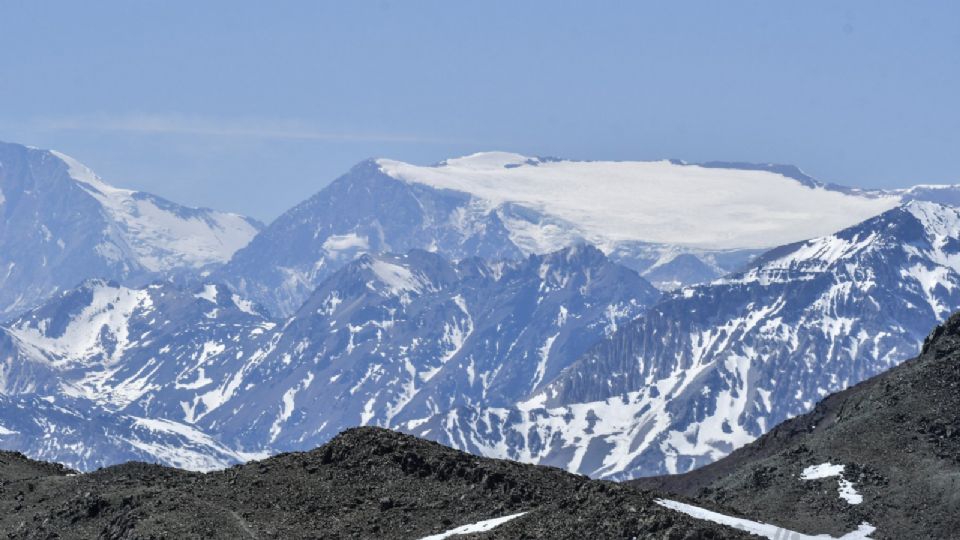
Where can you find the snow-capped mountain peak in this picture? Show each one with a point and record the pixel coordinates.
(60, 224)
(674, 223)
(164, 235)
(83, 174)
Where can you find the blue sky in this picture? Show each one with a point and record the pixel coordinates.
(253, 106)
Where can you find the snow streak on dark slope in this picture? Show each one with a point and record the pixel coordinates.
(388, 340)
(712, 367)
(60, 224)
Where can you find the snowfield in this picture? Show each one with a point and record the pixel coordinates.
(652, 201)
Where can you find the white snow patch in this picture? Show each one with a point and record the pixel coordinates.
(209, 293)
(824, 470)
(930, 279)
(848, 492)
(845, 488)
(201, 381)
(368, 412)
(544, 353)
(397, 278)
(244, 305)
(474, 528)
(344, 242)
(5, 431)
(287, 406)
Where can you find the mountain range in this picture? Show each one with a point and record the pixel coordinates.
(533, 309)
(674, 223)
(711, 367)
(879, 460)
(387, 339)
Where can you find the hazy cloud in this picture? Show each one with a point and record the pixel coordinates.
(244, 127)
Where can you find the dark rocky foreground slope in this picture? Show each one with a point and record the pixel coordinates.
(366, 483)
(15, 466)
(896, 435)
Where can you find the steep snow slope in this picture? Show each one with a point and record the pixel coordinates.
(79, 432)
(60, 224)
(712, 367)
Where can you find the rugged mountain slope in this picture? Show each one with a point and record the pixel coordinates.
(60, 224)
(92, 377)
(712, 367)
(490, 358)
(367, 483)
(364, 211)
(497, 205)
(396, 340)
(113, 344)
(893, 441)
(390, 340)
